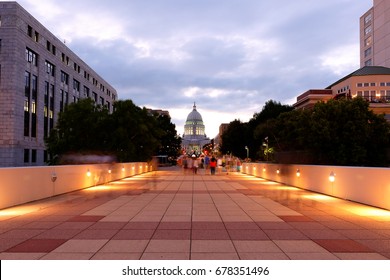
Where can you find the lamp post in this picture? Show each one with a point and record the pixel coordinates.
(247, 152)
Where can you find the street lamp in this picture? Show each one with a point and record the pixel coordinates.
(247, 152)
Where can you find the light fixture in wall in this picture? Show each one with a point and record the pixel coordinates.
(264, 169)
(109, 171)
(298, 173)
(123, 168)
(88, 173)
(332, 177)
(53, 177)
(278, 171)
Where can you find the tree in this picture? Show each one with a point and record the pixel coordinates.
(262, 128)
(79, 129)
(235, 138)
(347, 132)
(129, 133)
(170, 141)
(338, 132)
(135, 134)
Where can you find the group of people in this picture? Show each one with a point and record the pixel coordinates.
(193, 163)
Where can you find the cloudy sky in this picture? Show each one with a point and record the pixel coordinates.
(228, 56)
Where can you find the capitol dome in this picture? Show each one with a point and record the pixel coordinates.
(194, 137)
(194, 124)
(194, 115)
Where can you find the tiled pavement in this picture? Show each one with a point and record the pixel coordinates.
(171, 215)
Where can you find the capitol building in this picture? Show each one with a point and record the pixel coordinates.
(194, 137)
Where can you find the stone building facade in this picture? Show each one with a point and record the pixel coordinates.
(39, 76)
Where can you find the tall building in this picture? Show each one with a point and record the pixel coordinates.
(375, 35)
(194, 137)
(39, 76)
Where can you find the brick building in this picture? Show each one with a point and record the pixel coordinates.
(39, 76)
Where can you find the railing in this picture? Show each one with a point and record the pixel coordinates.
(365, 185)
(25, 184)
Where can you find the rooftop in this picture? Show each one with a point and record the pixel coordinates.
(365, 71)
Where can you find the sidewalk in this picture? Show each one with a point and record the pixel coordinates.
(171, 215)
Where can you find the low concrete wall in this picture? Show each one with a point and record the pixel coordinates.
(25, 184)
(365, 185)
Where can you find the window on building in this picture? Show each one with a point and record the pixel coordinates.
(29, 31)
(33, 156)
(62, 96)
(27, 89)
(36, 37)
(367, 52)
(31, 57)
(45, 156)
(366, 84)
(46, 110)
(368, 30)
(368, 63)
(48, 46)
(64, 78)
(66, 98)
(26, 155)
(76, 87)
(368, 41)
(95, 97)
(34, 98)
(368, 18)
(86, 92)
(51, 108)
(373, 84)
(50, 68)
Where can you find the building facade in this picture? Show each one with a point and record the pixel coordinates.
(375, 35)
(39, 76)
(371, 83)
(194, 137)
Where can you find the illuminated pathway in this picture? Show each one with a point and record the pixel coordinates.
(171, 215)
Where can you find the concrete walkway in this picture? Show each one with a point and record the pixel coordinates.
(171, 215)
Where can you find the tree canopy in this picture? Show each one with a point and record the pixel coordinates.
(130, 133)
(338, 132)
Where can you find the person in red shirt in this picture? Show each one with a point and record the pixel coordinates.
(213, 165)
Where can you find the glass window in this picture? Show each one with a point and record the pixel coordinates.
(368, 41)
(26, 155)
(31, 57)
(33, 156)
(367, 52)
(50, 69)
(368, 18)
(368, 30)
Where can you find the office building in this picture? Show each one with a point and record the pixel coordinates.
(39, 76)
(375, 35)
